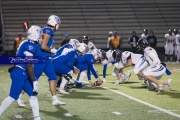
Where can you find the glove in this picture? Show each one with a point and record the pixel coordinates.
(53, 51)
(35, 85)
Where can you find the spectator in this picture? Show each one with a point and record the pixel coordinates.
(18, 41)
(152, 40)
(115, 41)
(65, 39)
(145, 33)
(109, 38)
(133, 42)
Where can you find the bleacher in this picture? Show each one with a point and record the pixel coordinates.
(94, 18)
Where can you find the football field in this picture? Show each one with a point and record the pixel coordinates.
(126, 101)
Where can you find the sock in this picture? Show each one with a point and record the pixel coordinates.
(63, 83)
(5, 104)
(20, 96)
(34, 105)
(54, 97)
(81, 77)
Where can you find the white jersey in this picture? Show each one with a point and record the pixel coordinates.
(144, 36)
(170, 39)
(91, 46)
(151, 56)
(129, 55)
(178, 39)
(109, 57)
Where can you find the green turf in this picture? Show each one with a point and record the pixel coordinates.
(95, 103)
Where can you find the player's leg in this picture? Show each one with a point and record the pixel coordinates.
(33, 100)
(80, 79)
(49, 71)
(18, 77)
(151, 75)
(65, 79)
(20, 99)
(178, 53)
(171, 53)
(166, 53)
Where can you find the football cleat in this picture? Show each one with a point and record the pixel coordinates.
(20, 102)
(62, 91)
(57, 102)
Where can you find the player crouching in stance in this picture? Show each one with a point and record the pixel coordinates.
(64, 67)
(20, 73)
(156, 69)
(118, 70)
(86, 66)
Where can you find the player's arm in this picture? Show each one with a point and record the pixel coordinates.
(129, 61)
(154, 59)
(165, 40)
(30, 71)
(90, 64)
(44, 43)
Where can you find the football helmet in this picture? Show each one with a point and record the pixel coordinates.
(142, 43)
(82, 49)
(97, 54)
(85, 38)
(34, 33)
(74, 43)
(54, 21)
(117, 54)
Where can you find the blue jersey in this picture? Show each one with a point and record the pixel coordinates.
(86, 62)
(61, 49)
(26, 46)
(49, 31)
(68, 59)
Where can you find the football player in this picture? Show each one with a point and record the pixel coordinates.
(178, 45)
(53, 24)
(145, 33)
(169, 43)
(156, 69)
(22, 75)
(64, 66)
(86, 66)
(130, 59)
(90, 45)
(72, 45)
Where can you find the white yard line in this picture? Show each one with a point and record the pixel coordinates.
(142, 102)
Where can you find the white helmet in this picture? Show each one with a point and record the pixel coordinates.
(54, 21)
(83, 48)
(74, 43)
(96, 53)
(34, 33)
